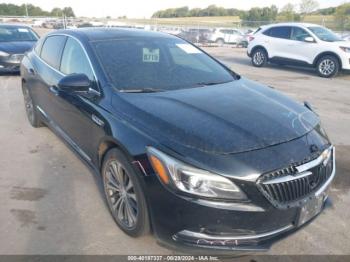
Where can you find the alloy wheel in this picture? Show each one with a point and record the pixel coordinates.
(326, 67)
(259, 58)
(121, 194)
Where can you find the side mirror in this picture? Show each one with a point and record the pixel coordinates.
(75, 83)
(309, 39)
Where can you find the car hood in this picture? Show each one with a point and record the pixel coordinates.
(228, 118)
(19, 47)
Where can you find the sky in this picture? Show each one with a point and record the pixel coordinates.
(145, 8)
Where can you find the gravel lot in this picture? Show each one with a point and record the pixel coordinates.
(51, 203)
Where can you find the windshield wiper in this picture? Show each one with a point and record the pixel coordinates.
(211, 83)
(140, 90)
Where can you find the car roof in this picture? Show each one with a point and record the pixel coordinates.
(104, 33)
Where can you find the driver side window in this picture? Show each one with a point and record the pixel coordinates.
(299, 34)
(74, 60)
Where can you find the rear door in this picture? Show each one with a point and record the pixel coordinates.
(277, 41)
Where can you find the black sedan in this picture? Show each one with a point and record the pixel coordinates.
(15, 40)
(186, 148)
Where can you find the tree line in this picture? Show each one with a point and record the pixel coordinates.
(31, 10)
(256, 15)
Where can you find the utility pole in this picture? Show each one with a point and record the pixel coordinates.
(26, 9)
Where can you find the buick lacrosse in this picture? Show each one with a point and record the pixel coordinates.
(15, 40)
(186, 148)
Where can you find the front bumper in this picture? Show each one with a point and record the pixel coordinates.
(11, 63)
(197, 225)
(345, 59)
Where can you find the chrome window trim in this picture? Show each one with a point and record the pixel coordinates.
(86, 54)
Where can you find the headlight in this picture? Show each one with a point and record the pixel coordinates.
(2, 53)
(180, 176)
(345, 49)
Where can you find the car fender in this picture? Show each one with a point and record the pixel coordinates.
(332, 53)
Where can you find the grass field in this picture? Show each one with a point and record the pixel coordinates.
(184, 21)
(220, 21)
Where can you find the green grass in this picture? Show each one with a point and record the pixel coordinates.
(221, 21)
(188, 21)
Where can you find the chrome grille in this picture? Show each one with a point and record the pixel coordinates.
(288, 186)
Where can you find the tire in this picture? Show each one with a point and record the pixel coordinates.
(124, 194)
(259, 57)
(327, 66)
(31, 109)
(220, 41)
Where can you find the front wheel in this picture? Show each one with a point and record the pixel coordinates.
(327, 66)
(124, 194)
(259, 57)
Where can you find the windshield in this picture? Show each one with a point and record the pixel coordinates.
(13, 34)
(157, 64)
(324, 34)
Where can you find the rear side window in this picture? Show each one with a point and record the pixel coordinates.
(74, 60)
(279, 32)
(52, 50)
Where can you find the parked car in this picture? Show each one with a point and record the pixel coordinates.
(247, 36)
(195, 35)
(15, 40)
(173, 30)
(226, 36)
(204, 157)
(300, 44)
(85, 24)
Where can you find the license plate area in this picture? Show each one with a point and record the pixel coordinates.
(312, 208)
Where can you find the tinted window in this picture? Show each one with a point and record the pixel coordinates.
(15, 34)
(74, 59)
(52, 50)
(158, 63)
(280, 32)
(299, 34)
(324, 34)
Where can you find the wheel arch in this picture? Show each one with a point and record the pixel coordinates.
(319, 56)
(261, 47)
(105, 145)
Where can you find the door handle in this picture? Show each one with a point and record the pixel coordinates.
(31, 71)
(54, 90)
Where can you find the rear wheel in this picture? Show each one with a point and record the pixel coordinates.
(124, 194)
(327, 66)
(259, 57)
(31, 110)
